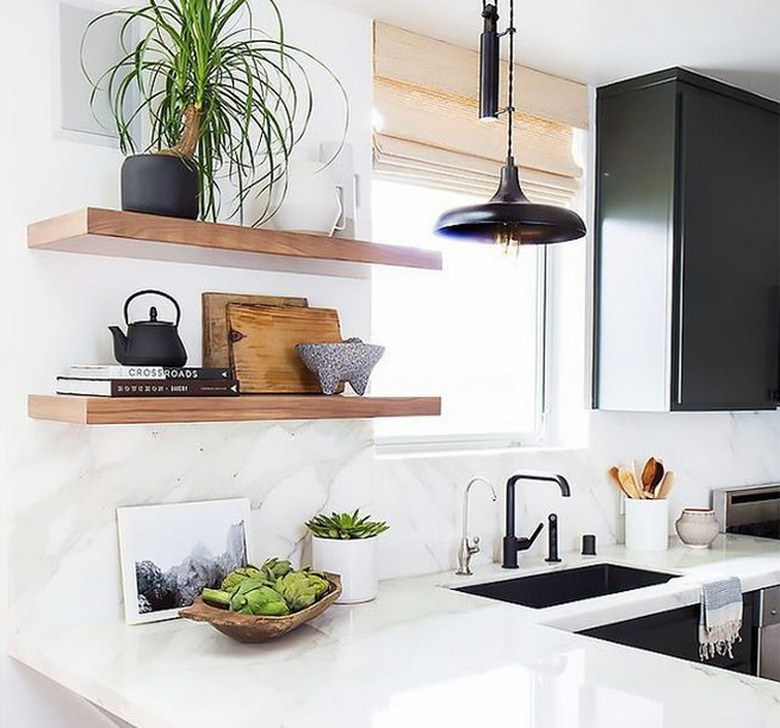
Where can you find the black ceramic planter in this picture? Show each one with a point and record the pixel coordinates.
(159, 184)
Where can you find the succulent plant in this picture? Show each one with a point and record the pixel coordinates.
(345, 526)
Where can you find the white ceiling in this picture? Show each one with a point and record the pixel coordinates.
(599, 41)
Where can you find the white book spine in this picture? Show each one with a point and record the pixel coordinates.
(115, 372)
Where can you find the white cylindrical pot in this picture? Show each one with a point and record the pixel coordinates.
(647, 525)
(354, 559)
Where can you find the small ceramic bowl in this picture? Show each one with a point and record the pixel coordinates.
(350, 361)
(697, 527)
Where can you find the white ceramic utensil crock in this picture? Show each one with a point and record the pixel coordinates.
(647, 525)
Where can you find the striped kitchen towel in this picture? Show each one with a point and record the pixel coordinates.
(721, 617)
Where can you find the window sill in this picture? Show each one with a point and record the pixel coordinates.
(415, 450)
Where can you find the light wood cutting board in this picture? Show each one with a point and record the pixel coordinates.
(216, 352)
(262, 345)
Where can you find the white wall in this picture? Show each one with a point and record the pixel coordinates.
(61, 484)
(57, 307)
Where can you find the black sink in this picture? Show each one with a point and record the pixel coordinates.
(571, 585)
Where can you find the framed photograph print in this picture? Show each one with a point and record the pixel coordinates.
(169, 553)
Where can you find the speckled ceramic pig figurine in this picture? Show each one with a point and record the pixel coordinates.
(350, 361)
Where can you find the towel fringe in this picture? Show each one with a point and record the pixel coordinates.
(719, 640)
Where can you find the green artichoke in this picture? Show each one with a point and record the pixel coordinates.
(216, 597)
(274, 569)
(301, 589)
(235, 577)
(252, 596)
(318, 582)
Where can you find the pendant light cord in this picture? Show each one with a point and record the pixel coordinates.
(511, 107)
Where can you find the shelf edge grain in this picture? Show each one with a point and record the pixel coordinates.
(98, 231)
(246, 408)
(73, 410)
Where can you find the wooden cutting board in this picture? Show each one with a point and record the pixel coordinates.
(216, 353)
(262, 345)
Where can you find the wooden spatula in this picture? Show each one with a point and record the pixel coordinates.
(629, 484)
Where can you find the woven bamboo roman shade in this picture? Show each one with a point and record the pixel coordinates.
(426, 91)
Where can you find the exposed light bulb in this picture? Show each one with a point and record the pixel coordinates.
(509, 239)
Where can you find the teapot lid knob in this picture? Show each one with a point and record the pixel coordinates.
(153, 313)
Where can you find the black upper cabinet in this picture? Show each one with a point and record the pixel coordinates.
(687, 245)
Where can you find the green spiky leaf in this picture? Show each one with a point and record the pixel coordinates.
(345, 526)
(250, 88)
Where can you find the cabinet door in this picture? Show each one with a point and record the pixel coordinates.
(726, 270)
(636, 134)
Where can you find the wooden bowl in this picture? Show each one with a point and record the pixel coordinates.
(248, 628)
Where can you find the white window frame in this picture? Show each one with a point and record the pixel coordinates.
(419, 444)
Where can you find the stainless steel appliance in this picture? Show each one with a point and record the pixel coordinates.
(754, 510)
(769, 634)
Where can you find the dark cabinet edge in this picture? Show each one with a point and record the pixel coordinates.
(692, 78)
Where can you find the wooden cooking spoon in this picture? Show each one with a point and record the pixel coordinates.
(658, 475)
(648, 474)
(652, 474)
(666, 485)
(615, 478)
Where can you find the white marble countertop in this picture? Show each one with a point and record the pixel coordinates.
(423, 655)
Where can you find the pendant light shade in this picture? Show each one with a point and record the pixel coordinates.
(509, 218)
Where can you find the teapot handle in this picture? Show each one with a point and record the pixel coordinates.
(157, 293)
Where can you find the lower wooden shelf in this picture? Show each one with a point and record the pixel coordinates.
(246, 408)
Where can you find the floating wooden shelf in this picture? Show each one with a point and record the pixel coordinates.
(96, 231)
(246, 408)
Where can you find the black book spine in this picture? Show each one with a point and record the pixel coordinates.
(174, 388)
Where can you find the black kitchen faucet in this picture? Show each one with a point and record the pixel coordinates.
(513, 544)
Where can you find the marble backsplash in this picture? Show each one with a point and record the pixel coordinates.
(63, 533)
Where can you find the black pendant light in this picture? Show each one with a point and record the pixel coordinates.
(509, 218)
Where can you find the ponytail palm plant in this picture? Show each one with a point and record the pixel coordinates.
(229, 99)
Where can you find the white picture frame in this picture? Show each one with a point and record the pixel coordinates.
(169, 552)
(74, 118)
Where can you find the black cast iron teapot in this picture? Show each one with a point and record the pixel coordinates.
(152, 342)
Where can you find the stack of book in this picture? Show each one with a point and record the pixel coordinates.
(108, 380)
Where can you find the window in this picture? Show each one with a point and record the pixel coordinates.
(476, 333)
(473, 334)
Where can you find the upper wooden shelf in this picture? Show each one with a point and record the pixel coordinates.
(96, 231)
(246, 408)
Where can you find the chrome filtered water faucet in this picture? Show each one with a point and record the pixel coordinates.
(468, 549)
